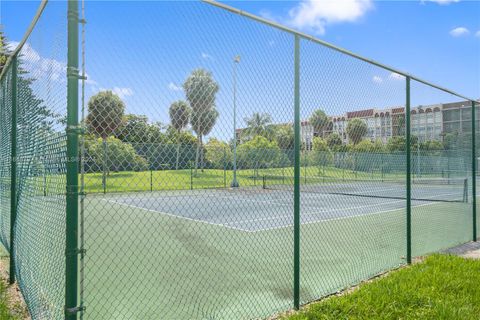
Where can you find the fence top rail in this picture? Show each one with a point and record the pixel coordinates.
(20, 45)
(329, 45)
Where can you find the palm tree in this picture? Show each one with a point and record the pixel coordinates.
(319, 121)
(179, 117)
(200, 90)
(259, 124)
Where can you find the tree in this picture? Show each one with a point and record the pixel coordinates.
(218, 153)
(133, 129)
(356, 130)
(105, 115)
(121, 156)
(259, 124)
(201, 89)
(334, 141)
(397, 144)
(258, 153)
(4, 50)
(319, 122)
(284, 136)
(179, 117)
(321, 154)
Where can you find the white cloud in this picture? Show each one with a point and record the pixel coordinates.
(120, 92)
(441, 2)
(314, 15)
(268, 15)
(172, 86)
(459, 32)
(396, 76)
(477, 34)
(206, 56)
(377, 79)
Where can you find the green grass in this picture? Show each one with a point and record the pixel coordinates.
(5, 304)
(8, 310)
(128, 181)
(441, 287)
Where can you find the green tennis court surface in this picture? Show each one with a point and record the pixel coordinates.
(234, 248)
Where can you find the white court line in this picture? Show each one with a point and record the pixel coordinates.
(336, 210)
(318, 212)
(342, 218)
(176, 216)
(228, 225)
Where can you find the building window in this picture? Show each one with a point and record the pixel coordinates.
(451, 115)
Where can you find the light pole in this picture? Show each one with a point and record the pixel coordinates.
(236, 60)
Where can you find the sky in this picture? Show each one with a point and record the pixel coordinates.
(144, 51)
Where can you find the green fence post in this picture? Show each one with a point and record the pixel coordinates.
(474, 173)
(305, 167)
(71, 239)
(224, 168)
(13, 170)
(151, 180)
(105, 166)
(409, 186)
(296, 188)
(191, 176)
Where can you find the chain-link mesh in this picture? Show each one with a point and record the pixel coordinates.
(352, 215)
(5, 154)
(178, 241)
(189, 166)
(189, 170)
(442, 130)
(39, 228)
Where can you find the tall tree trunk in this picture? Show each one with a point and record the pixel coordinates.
(178, 153)
(199, 142)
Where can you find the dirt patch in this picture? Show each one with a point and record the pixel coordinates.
(14, 297)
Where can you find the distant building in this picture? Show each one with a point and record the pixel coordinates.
(430, 122)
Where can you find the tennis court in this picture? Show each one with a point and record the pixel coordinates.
(195, 238)
(263, 208)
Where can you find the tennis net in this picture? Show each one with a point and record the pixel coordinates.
(423, 189)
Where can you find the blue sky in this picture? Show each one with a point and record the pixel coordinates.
(145, 50)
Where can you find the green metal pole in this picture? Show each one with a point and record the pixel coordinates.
(191, 177)
(151, 180)
(224, 168)
(474, 173)
(72, 251)
(305, 167)
(13, 171)
(297, 173)
(409, 186)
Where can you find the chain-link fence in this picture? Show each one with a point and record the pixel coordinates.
(237, 170)
(33, 151)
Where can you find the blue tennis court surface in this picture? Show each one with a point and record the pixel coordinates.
(261, 210)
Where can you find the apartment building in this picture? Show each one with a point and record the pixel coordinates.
(430, 122)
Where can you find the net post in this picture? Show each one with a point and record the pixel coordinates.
(474, 173)
(71, 239)
(13, 169)
(297, 173)
(408, 173)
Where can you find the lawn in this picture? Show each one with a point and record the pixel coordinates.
(5, 306)
(127, 181)
(441, 287)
